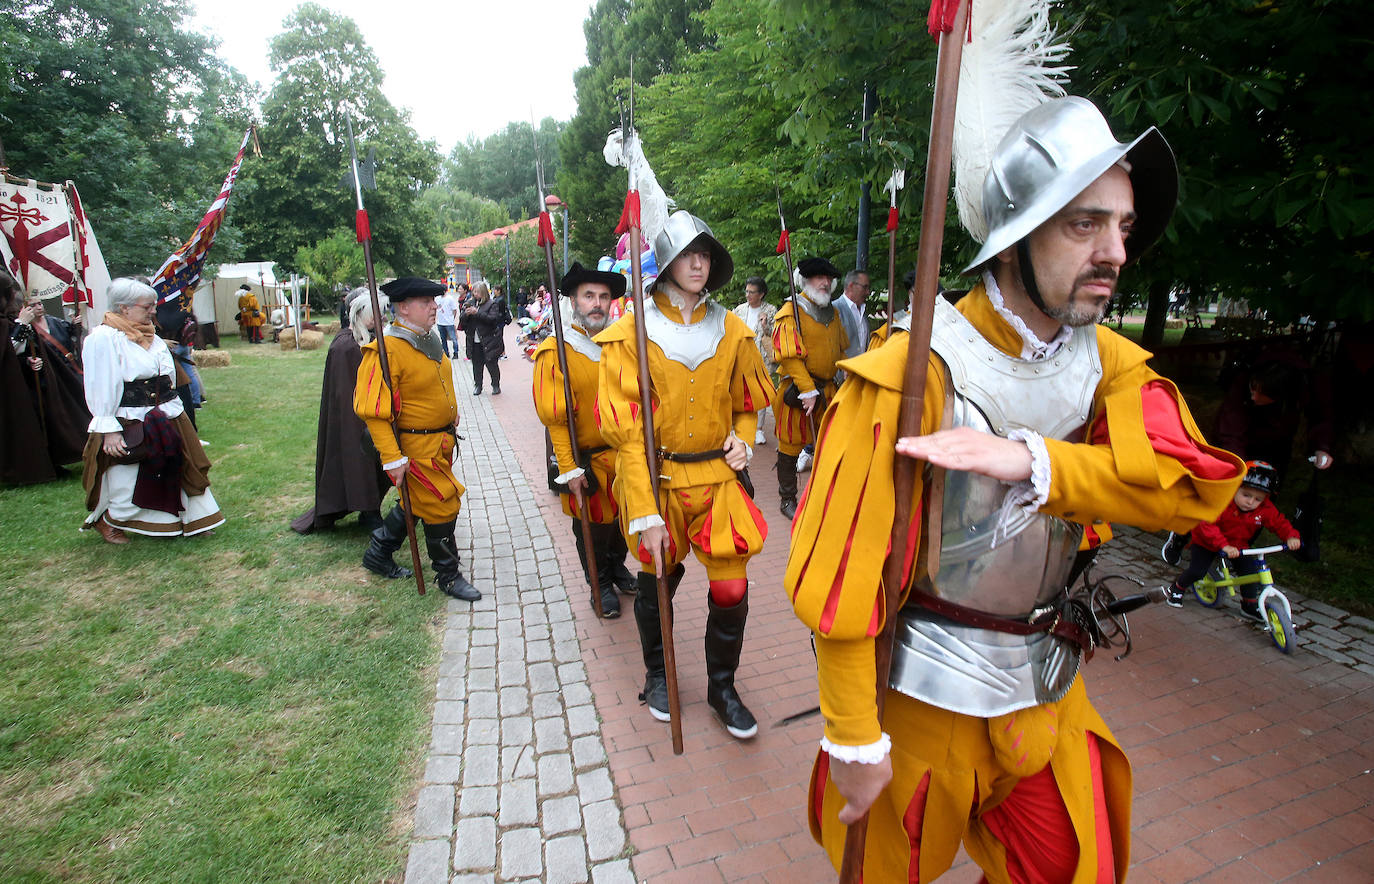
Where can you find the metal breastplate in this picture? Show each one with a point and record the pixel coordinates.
(824, 315)
(1007, 569)
(689, 345)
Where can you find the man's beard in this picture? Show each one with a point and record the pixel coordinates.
(589, 325)
(1075, 313)
(819, 296)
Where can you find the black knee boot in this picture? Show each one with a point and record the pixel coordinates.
(386, 539)
(494, 370)
(724, 639)
(616, 551)
(787, 483)
(610, 603)
(443, 555)
(651, 639)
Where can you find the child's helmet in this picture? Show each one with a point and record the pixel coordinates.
(1260, 476)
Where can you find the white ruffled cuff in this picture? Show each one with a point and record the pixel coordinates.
(643, 522)
(812, 395)
(396, 463)
(104, 424)
(1037, 490)
(571, 474)
(1028, 495)
(872, 753)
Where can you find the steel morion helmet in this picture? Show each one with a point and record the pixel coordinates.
(1051, 154)
(682, 230)
(1260, 476)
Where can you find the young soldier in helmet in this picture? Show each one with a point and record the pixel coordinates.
(422, 387)
(708, 384)
(591, 294)
(807, 349)
(1049, 421)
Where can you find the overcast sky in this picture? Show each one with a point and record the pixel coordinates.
(463, 68)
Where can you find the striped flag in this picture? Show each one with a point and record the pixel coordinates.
(181, 271)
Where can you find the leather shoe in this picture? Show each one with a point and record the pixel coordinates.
(789, 508)
(460, 589)
(477, 389)
(610, 602)
(109, 533)
(496, 389)
(388, 569)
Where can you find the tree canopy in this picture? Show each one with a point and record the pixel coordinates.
(326, 73)
(135, 109)
(501, 167)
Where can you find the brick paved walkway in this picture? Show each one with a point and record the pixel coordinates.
(1250, 766)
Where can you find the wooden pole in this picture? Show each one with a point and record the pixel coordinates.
(938, 159)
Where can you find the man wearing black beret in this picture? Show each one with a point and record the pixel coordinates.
(421, 387)
(807, 348)
(591, 294)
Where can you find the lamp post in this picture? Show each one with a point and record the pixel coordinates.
(553, 202)
(506, 237)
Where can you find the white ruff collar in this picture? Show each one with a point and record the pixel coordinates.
(1031, 346)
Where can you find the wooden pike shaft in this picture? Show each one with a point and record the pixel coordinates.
(933, 205)
(646, 413)
(584, 519)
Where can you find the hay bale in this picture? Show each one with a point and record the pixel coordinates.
(330, 328)
(211, 358)
(287, 338)
(311, 340)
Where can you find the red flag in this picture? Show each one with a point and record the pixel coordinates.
(891, 219)
(629, 213)
(546, 237)
(784, 242)
(364, 226)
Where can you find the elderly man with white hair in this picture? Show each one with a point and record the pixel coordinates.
(145, 469)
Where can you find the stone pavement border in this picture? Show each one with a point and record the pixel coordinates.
(1249, 765)
(516, 784)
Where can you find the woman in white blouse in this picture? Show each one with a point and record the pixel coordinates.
(145, 470)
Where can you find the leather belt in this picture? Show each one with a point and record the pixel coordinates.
(146, 392)
(691, 456)
(592, 452)
(421, 432)
(1058, 622)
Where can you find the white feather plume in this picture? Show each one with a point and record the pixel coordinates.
(654, 203)
(1012, 65)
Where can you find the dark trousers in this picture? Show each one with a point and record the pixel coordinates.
(1200, 562)
(493, 368)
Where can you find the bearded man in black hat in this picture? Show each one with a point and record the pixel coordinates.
(591, 293)
(807, 348)
(421, 387)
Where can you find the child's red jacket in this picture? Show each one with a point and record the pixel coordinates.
(1238, 529)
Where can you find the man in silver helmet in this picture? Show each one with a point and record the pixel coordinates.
(708, 384)
(1037, 421)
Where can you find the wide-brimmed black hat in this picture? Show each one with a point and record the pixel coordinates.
(577, 274)
(809, 267)
(412, 287)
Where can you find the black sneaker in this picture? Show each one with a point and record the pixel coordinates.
(1251, 611)
(1174, 599)
(655, 696)
(1173, 548)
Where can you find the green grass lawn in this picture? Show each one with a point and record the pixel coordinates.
(245, 707)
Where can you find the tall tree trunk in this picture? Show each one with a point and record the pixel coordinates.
(1156, 311)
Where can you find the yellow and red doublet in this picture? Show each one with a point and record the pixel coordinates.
(583, 374)
(804, 354)
(1144, 463)
(422, 397)
(695, 410)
